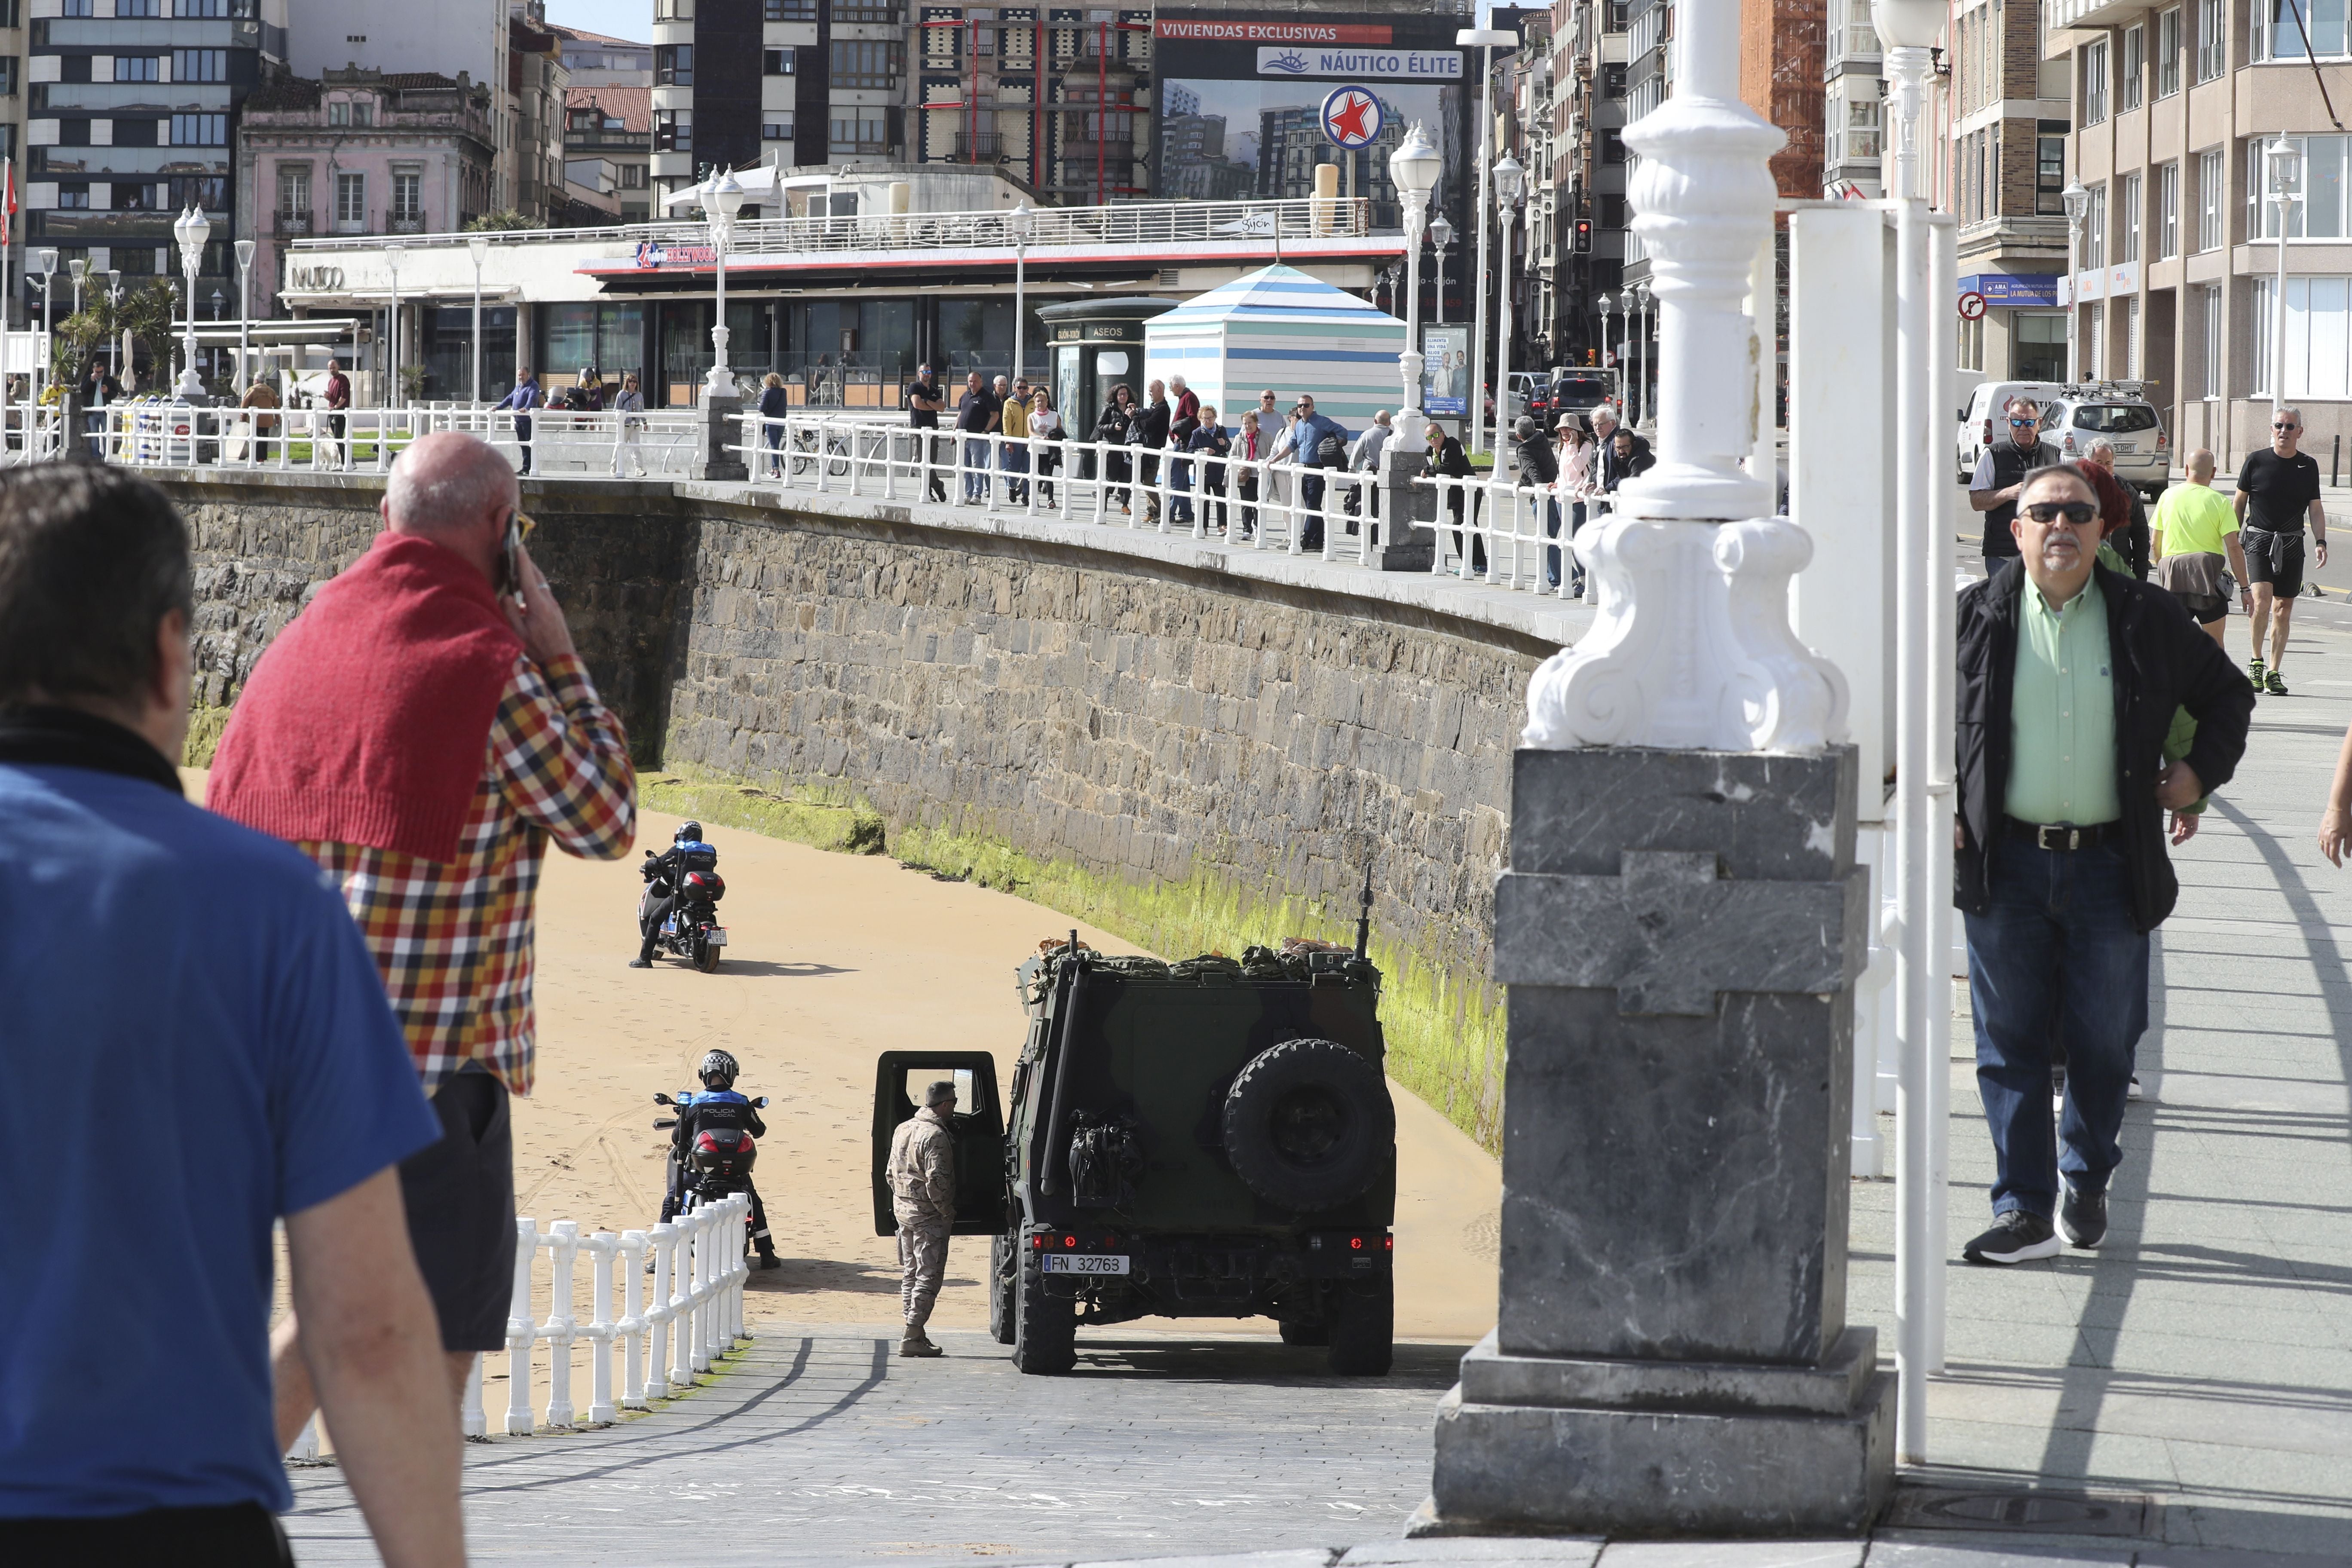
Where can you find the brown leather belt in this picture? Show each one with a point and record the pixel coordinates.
(2060, 835)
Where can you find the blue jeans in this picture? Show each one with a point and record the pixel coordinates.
(975, 463)
(1551, 551)
(2055, 961)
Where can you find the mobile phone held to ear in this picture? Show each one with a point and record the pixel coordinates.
(519, 527)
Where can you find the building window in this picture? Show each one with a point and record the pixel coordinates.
(2095, 230)
(791, 10)
(2167, 212)
(8, 74)
(199, 130)
(2320, 214)
(882, 11)
(674, 64)
(294, 190)
(2050, 173)
(673, 130)
(73, 132)
(2168, 52)
(779, 62)
(2212, 38)
(141, 132)
(77, 8)
(199, 65)
(2127, 227)
(867, 63)
(2280, 29)
(209, 192)
(350, 202)
(138, 67)
(139, 7)
(207, 8)
(859, 132)
(2265, 324)
(776, 131)
(2212, 367)
(74, 199)
(2092, 94)
(407, 196)
(673, 10)
(2134, 61)
(2209, 200)
(633, 176)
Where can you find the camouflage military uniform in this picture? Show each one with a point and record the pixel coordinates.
(922, 1197)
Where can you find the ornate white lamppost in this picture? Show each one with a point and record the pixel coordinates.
(393, 252)
(1413, 169)
(478, 246)
(1609, 355)
(1441, 234)
(1486, 40)
(1637, 327)
(1020, 227)
(80, 268)
(245, 252)
(2285, 161)
(2078, 203)
(190, 230)
(114, 298)
(1510, 183)
(45, 262)
(722, 198)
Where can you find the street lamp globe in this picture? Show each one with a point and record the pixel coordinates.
(1511, 180)
(722, 198)
(1908, 23)
(45, 261)
(1413, 169)
(2285, 161)
(1021, 224)
(2077, 201)
(1441, 233)
(190, 230)
(478, 246)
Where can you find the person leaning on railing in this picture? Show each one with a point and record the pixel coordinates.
(1447, 459)
(1180, 472)
(261, 427)
(1013, 457)
(1249, 450)
(1209, 437)
(629, 410)
(1113, 429)
(775, 403)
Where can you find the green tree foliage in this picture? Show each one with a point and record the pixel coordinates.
(493, 222)
(149, 310)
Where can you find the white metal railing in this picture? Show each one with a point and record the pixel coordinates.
(156, 434)
(692, 1314)
(1271, 505)
(1125, 223)
(31, 433)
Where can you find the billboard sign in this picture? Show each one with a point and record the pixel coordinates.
(1351, 118)
(1445, 371)
(1416, 64)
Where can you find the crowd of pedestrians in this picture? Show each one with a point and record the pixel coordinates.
(333, 1006)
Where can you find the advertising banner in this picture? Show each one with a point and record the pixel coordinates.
(1446, 372)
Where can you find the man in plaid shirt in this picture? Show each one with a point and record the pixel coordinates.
(438, 866)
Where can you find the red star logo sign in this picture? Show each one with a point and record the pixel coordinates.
(1347, 120)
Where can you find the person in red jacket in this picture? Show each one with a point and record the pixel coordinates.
(421, 730)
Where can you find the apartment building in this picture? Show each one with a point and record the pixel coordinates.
(129, 110)
(599, 59)
(1582, 254)
(536, 85)
(2173, 107)
(608, 150)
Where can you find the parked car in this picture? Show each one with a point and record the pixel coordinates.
(1579, 392)
(2119, 412)
(1980, 416)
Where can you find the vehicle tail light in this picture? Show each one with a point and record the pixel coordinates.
(2068, 443)
(1388, 1244)
(1356, 1242)
(1037, 1243)
(1069, 1243)
(2162, 440)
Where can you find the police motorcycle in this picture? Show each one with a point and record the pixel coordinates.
(679, 911)
(712, 1147)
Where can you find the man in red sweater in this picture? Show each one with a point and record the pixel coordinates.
(421, 730)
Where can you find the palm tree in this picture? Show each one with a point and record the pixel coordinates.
(148, 310)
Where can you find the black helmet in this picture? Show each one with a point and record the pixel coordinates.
(716, 1065)
(688, 833)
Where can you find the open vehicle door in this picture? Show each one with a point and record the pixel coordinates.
(899, 1080)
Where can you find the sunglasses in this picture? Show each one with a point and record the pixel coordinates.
(2022, 424)
(2075, 513)
(2285, 426)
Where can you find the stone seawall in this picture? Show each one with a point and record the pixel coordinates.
(1186, 754)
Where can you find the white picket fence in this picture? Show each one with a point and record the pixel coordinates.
(30, 433)
(661, 1337)
(158, 434)
(1271, 506)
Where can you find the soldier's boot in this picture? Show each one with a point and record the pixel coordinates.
(768, 1258)
(917, 1344)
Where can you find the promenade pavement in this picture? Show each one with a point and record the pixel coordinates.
(2181, 1398)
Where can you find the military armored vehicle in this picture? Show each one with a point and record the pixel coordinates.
(1206, 1139)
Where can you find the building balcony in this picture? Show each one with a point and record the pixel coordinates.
(291, 223)
(1854, 47)
(976, 147)
(404, 222)
(2059, 14)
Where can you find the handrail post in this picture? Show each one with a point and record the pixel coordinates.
(600, 1330)
(519, 1331)
(472, 1421)
(561, 1327)
(663, 1240)
(632, 1326)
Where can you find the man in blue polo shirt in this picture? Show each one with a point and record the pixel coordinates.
(194, 1042)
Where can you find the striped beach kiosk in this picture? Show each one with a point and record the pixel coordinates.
(1280, 327)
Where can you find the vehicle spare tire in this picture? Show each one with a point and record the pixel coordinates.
(1309, 1124)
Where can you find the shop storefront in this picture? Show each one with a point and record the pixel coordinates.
(2021, 334)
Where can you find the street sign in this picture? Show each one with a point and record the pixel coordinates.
(1972, 307)
(1352, 118)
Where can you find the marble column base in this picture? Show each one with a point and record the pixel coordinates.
(722, 426)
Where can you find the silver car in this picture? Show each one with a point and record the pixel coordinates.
(2116, 412)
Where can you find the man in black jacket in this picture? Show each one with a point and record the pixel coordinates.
(1150, 432)
(2069, 678)
(2000, 471)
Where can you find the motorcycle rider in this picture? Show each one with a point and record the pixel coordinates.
(716, 1108)
(665, 871)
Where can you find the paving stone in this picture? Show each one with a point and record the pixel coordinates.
(1573, 1551)
(1734, 1555)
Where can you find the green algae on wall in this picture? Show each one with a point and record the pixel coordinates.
(206, 723)
(1445, 1035)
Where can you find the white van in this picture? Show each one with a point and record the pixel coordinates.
(1980, 417)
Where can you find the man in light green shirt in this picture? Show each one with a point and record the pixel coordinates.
(2062, 717)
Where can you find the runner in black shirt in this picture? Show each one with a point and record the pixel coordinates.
(2280, 487)
(924, 400)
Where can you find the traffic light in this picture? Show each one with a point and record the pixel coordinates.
(1582, 242)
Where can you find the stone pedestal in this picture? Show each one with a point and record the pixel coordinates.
(722, 431)
(1406, 511)
(1680, 932)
